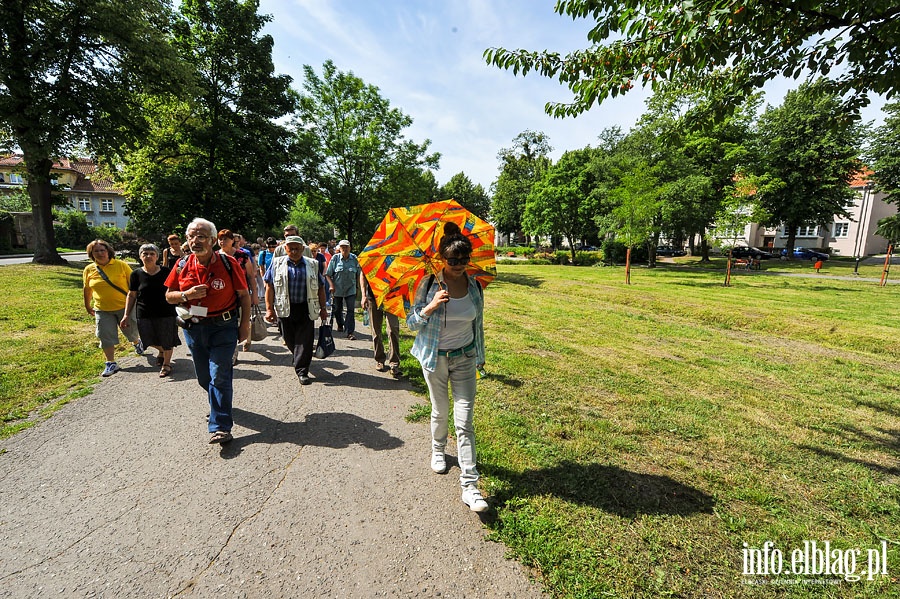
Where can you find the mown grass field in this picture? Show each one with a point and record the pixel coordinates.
(835, 266)
(635, 437)
(631, 438)
(49, 354)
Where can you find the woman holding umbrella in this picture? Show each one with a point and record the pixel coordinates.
(448, 313)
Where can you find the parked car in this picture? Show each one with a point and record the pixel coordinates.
(668, 250)
(745, 251)
(806, 254)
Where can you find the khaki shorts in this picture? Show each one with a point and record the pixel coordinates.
(108, 327)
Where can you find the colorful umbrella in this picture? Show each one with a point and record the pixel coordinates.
(404, 249)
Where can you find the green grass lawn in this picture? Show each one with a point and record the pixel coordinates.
(634, 437)
(49, 354)
(835, 266)
(631, 438)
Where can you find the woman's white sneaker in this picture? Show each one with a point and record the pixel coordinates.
(438, 462)
(471, 496)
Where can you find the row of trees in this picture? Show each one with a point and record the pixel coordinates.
(679, 177)
(187, 106)
(694, 143)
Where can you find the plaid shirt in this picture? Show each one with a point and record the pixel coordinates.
(425, 347)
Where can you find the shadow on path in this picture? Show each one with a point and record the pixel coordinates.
(336, 430)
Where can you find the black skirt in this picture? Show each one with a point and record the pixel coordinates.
(160, 332)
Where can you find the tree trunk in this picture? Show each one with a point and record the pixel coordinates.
(38, 169)
(704, 249)
(628, 266)
(791, 241)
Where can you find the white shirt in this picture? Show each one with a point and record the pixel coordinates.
(457, 331)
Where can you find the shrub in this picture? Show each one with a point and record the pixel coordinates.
(71, 229)
(518, 251)
(588, 258)
(129, 245)
(107, 233)
(614, 252)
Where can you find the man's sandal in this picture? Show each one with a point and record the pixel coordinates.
(165, 371)
(220, 437)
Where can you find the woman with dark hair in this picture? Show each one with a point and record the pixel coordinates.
(105, 282)
(264, 260)
(228, 246)
(448, 314)
(173, 253)
(155, 316)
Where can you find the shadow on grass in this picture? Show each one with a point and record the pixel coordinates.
(885, 407)
(519, 279)
(834, 455)
(706, 284)
(69, 278)
(609, 488)
(505, 380)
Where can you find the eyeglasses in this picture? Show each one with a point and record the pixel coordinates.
(461, 261)
(100, 251)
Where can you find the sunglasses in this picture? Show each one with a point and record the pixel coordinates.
(463, 260)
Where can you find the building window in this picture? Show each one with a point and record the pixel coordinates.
(841, 229)
(808, 231)
(90, 223)
(84, 204)
(108, 223)
(106, 206)
(54, 181)
(16, 178)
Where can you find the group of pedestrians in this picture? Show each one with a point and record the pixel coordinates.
(214, 292)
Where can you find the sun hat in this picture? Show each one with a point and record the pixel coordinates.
(343, 242)
(294, 239)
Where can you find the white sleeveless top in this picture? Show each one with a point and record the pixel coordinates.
(456, 331)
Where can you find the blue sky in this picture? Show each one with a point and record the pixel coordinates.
(426, 58)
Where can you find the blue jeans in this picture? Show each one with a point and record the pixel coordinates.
(348, 323)
(212, 345)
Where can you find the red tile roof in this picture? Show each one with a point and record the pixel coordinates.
(89, 179)
(861, 179)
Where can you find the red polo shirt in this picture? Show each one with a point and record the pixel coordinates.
(222, 288)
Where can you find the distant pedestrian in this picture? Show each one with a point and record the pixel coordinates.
(173, 253)
(105, 282)
(289, 231)
(155, 316)
(342, 273)
(317, 252)
(377, 317)
(448, 315)
(265, 256)
(295, 295)
(818, 265)
(212, 286)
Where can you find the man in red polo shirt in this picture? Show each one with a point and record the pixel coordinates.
(219, 305)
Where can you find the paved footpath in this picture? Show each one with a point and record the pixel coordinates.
(326, 491)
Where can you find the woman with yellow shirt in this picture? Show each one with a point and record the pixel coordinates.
(105, 291)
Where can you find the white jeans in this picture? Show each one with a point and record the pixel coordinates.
(459, 374)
